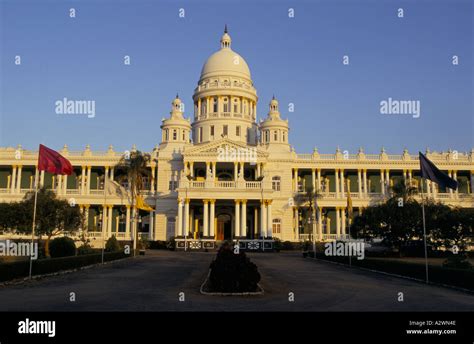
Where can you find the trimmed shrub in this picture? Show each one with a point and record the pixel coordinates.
(233, 273)
(112, 245)
(458, 261)
(62, 247)
(85, 249)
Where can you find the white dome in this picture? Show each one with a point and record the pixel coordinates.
(225, 62)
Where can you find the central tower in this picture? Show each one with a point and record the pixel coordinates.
(225, 101)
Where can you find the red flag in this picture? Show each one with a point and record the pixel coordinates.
(51, 161)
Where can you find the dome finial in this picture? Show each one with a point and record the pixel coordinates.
(177, 95)
(225, 29)
(225, 39)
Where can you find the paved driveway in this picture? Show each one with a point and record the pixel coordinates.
(153, 282)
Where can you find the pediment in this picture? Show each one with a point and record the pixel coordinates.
(224, 145)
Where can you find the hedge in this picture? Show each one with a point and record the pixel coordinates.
(14, 270)
(463, 278)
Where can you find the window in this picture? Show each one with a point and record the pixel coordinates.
(215, 109)
(283, 136)
(166, 135)
(203, 107)
(225, 130)
(276, 182)
(212, 130)
(226, 105)
(170, 226)
(237, 130)
(275, 136)
(236, 106)
(175, 135)
(244, 105)
(184, 135)
(200, 134)
(276, 226)
(267, 135)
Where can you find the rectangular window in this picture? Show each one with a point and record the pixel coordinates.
(212, 130)
(237, 130)
(175, 135)
(200, 135)
(276, 228)
(225, 130)
(173, 185)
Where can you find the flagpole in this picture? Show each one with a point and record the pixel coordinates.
(34, 222)
(424, 228)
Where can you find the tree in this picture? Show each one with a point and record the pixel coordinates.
(53, 216)
(135, 168)
(309, 197)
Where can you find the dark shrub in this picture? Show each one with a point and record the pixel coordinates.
(171, 244)
(62, 247)
(112, 245)
(287, 245)
(277, 244)
(233, 273)
(85, 249)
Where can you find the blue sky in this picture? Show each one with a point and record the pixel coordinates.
(298, 59)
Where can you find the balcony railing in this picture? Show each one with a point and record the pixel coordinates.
(223, 184)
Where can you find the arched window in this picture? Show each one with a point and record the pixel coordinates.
(236, 106)
(166, 134)
(214, 105)
(226, 104)
(283, 136)
(276, 183)
(203, 108)
(175, 135)
(267, 136)
(276, 226)
(275, 136)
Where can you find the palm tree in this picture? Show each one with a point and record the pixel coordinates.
(135, 168)
(403, 190)
(309, 197)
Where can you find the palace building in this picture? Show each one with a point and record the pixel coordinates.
(225, 176)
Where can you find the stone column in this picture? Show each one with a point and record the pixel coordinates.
(186, 216)
(336, 176)
(382, 182)
(18, 183)
(13, 180)
(387, 181)
(295, 180)
(313, 179)
(263, 218)
(236, 171)
(180, 218)
(366, 188)
(343, 187)
(205, 221)
(243, 230)
(42, 179)
(212, 218)
(104, 221)
(319, 180)
(320, 223)
(269, 219)
(455, 177)
(65, 184)
(88, 187)
(359, 183)
(343, 221)
(237, 219)
(110, 220)
(338, 222)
